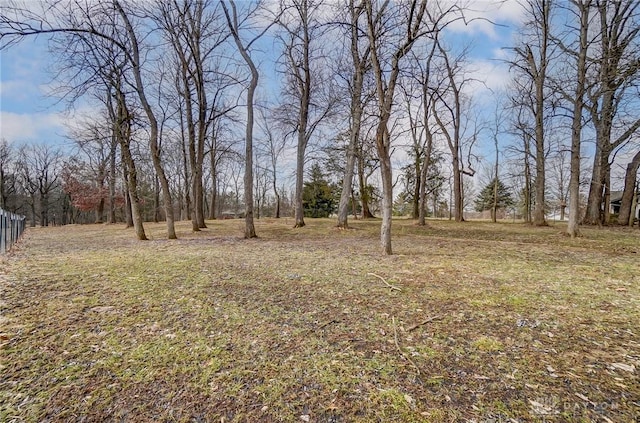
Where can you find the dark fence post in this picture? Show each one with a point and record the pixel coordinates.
(12, 227)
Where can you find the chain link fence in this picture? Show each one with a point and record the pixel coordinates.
(11, 228)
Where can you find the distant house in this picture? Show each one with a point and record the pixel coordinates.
(616, 202)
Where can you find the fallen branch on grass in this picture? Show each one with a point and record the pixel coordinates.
(324, 325)
(385, 282)
(424, 322)
(402, 353)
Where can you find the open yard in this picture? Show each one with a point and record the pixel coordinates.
(467, 322)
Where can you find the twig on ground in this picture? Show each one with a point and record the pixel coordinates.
(385, 282)
(324, 325)
(395, 339)
(424, 322)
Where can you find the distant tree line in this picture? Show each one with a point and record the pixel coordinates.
(185, 127)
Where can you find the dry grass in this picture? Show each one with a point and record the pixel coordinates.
(490, 323)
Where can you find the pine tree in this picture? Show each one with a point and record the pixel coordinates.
(319, 197)
(486, 198)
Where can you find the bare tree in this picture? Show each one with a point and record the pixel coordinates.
(582, 11)
(532, 61)
(40, 166)
(626, 215)
(306, 82)
(87, 22)
(122, 121)
(192, 29)
(360, 65)
(244, 48)
(136, 69)
(617, 60)
(5, 162)
(273, 146)
(521, 129)
(450, 111)
(393, 29)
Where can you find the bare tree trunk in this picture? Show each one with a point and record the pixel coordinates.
(540, 76)
(298, 203)
(494, 208)
(626, 215)
(112, 178)
(415, 212)
(187, 175)
(356, 119)
(576, 126)
(387, 205)
(385, 88)
(233, 24)
(364, 191)
(300, 66)
(593, 212)
(153, 122)
(359, 70)
(607, 196)
(616, 66)
(156, 199)
(214, 187)
(277, 196)
(132, 192)
(423, 178)
(122, 126)
(457, 192)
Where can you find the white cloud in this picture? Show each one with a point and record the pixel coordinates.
(28, 127)
(18, 91)
(493, 74)
(482, 15)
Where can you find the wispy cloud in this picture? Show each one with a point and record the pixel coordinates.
(483, 16)
(29, 127)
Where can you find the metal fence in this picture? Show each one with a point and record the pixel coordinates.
(11, 229)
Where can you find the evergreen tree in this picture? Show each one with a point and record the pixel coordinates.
(319, 197)
(486, 198)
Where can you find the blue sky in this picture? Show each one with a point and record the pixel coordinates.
(29, 114)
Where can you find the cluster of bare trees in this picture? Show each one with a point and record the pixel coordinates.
(203, 100)
(578, 67)
(30, 182)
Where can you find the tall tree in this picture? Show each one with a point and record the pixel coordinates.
(393, 29)
(427, 98)
(616, 59)
(360, 65)
(235, 25)
(305, 84)
(626, 214)
(139, 87)
(532, 59)
(192, 29)
(87, 22)
(273, 148)
(449, 113)
(122, 121)
(582, 8)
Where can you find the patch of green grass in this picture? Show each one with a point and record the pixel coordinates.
(487, 344)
